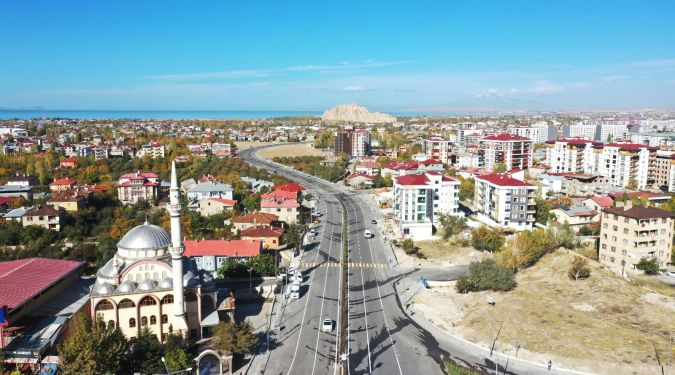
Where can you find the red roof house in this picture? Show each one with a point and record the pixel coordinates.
(223, 248)
(291, 187)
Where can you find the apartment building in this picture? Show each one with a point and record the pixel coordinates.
(505, 201)
(579, 130)
(512, 150)
(630, 233)
(154, 150)
(438, 148)
(413, 205)
(446, 195)
(465, 135)
(574, 155)
(663, 170)
(626, 164)
(612, 131)
(355, 143)
(138, 186)
(539, 132)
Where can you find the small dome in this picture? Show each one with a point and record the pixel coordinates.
(145, 237)
(166, 283)
(126, 287)
(104, 289)
(146, 285)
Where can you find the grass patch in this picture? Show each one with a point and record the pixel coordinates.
(654, 284)
(454, 369)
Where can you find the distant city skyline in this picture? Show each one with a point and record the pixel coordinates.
(309, 56)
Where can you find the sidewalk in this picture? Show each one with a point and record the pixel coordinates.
(259, 322)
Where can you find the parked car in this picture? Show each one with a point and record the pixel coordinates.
(670, 273)
(295, 295)
(327, 325)
(295, 288)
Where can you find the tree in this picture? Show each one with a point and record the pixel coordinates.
(451, 225)
(294, 234)
(251, 202)
(262, 265)
(487, 239)
(92, 348)
(233, 338)
(499, 168)
(544, 208)
(146, 353)
(579, 269)
(650, 266)
(175, 353)
(467, 186)
(408, 246)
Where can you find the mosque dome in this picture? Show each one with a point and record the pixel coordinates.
(144, 241)
(126, 287)
(146, 285)
(104, 289)
(166, 283)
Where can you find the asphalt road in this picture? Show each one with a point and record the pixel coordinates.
(382, 338)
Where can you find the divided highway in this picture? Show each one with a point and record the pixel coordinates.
(382, 339)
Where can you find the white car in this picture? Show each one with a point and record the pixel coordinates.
(670, 273)
(295, 288)
(368, 234)
(295, 295)
(327, 325)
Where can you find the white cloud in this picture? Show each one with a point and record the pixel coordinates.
(354, 89)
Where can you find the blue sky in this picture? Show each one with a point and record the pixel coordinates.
(310, 55)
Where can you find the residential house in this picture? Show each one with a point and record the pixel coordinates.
(138, 186)
(45, 216)
(215, 206)
(282, 203)
(209, 189)
(209, 255)
(254, 219)
(576, 217)
(71, 201)
(62, 184)
(360, 180)
(270, 236)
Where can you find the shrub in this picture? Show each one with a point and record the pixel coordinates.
(649, 265)
(579, 269)
(487, 239)
(486, 275)
(453, 369)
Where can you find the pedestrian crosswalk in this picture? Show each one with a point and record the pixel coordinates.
(338, 264)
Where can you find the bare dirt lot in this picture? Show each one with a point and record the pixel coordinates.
(444, 253)
(292, 151)
(244, 145)
(603, 324)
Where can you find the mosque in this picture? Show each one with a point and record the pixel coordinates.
(148, 283)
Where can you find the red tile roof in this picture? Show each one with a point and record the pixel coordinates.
(279, 195)
(431, 162)
(574, 141)
(409, 165)
(412, 179)
(227, 202)
(289, 187)
(260, 231)
(4, 200)
(256, 218)
(502, 180)
(22, 279)
(359, 174)
(506, 137)
(140, 175)
(640, 212)
(630, 146)
(63, 181)
(603, 201)
(232, 248)
(639, 194)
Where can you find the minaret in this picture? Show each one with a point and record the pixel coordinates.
(176, 251)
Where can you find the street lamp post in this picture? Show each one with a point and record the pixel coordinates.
(165, 366)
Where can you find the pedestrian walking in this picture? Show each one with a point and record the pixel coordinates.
(550, 364)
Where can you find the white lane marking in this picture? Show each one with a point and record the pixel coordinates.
(365, 310)
(337, 341)
(323, 298)
(302, 323)
(386, 324)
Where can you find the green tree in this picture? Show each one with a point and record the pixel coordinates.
(294, 235)
(175, 353)
(234, 339)
(650, 266)
(467, 186)
(544, 208)
(486, 275)
(146, 353)
(487, 239)
(499, 168)
(451, 225)
(92, 348)
(262, 265)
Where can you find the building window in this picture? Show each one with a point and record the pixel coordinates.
(613, 249)
(165, 318)
(147, 301)
(614, 238)
(167, 299)
(611, 259)
(144, 321)
(111, 324)
(104, 305)
(153, 319)
(132, 322)
(625, 230)
(604, 246)
(615, 228)
(125, 304)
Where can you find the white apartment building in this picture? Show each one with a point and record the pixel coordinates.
(154, 150)
(463, 133)
(360, 143)
(625, 164)
(579, 130)
(609, 132)
(512, 150)
(420, 197)
(438, 148)
(570, 155)
(505, 201)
